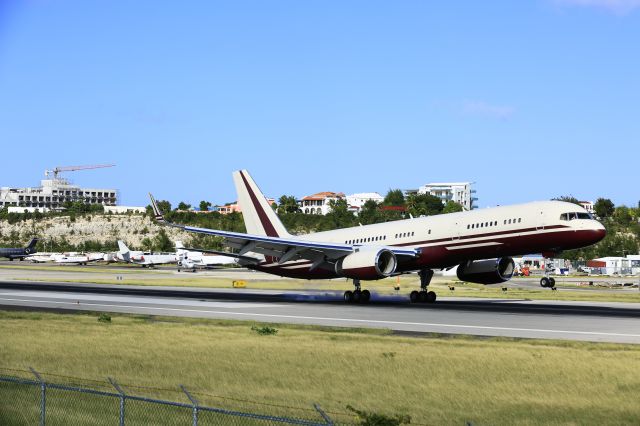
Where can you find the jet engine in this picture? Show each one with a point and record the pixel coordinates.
(368, 263)
(489, 271)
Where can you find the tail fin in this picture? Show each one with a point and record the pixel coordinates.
(259, 217)
(123, 247)
(31, 248)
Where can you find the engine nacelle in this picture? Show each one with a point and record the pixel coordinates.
(367, 263)
(489, 271)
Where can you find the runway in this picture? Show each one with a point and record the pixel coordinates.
(598, 322)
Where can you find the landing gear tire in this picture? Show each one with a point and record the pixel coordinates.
(348, 296)
(431, 297)
(365, 296)
(414, 296)
(544, 282)
(422, 297)
(552, 282)
(357, 296)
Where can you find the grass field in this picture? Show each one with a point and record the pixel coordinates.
(435, 379)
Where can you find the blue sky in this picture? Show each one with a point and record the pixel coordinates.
(529, 99)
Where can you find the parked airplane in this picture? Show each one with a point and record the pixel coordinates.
(480, 242)
(190, 258)
(142, 258)
(77, 258)
(19, 253)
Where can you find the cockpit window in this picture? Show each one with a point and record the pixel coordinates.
(575, 215)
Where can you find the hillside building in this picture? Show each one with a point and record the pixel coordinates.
(53, 194)
(459, 192)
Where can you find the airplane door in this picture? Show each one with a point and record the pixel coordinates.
(456, 233)
(540, 221)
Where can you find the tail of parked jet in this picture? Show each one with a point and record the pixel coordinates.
(124, 251)
(31, 248)
(259, 217)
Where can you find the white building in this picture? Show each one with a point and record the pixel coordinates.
(612, 265)
(356, 201)
(460, 192)
(53, 193)
(588, 206)
(319, 203)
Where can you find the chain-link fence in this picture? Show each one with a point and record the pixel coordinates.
(32, 401)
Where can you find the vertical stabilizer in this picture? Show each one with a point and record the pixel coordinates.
(31, 248)
(259, 217)
(123, 247)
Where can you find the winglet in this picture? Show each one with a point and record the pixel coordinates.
(157, 214)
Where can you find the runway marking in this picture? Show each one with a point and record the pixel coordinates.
(475, 327)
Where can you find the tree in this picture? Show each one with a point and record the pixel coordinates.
(204, 206)
(452, 207)
(622, 215)
(184, 206)
(370, 213)
(288, 204)
(424, 204)
(394, 197)
(568, 199)
(162, 241)
(604, 207)
(339, 216)
(164, 206)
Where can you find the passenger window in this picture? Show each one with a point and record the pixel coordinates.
(429, 231)
(509, 221)
(519, 219)
(505, 221)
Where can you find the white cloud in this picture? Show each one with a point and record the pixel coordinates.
(475, 107)
(619, 7)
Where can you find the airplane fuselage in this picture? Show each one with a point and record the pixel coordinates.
(446, 240)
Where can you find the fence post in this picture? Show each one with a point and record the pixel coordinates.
(43, 396)
(195, 405)
(323, 414)
(122, 398)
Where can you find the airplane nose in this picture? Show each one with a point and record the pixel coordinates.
(599, 232)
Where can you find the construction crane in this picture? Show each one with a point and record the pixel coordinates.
(55, 172)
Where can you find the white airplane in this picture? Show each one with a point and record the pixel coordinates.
(189, 258)
(142, 258)
(480, 242)
(40, 257)
(77, 258)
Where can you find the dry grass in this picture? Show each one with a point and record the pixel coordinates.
(436, 380)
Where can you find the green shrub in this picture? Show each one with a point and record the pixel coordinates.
(265, 331)
(104, 318)
(375, 419)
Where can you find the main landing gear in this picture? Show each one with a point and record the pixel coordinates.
(423, 296)
(358, 295)
(547, 282)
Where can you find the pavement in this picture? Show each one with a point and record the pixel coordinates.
(587, 321)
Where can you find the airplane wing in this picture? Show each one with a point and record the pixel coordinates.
(221, 253)
(284, 249)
